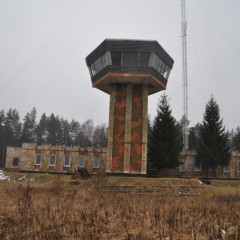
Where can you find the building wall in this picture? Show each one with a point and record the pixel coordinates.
(24, 159)
(191, 168)
(13, 158)
(27, 158)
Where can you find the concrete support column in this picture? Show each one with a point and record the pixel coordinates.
(128, 121)
(144, 128)
(110, 128)
(127, 132)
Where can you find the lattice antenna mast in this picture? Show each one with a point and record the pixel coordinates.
(184, 76)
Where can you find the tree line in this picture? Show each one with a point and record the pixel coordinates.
(210, 140)
(51, 129)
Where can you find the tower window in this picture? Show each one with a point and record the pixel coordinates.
(116, 58)
(130, 58)
(144, 58)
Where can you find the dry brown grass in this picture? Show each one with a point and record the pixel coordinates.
(56, 209)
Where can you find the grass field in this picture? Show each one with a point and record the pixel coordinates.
(44, 206)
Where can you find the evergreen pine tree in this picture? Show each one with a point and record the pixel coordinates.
(10, 131)
(41, 130)
(12, 128)
(2, 141)
(193, 137)
(165, 143)
(236, 140)
(66, 127)
(73, 132)
(54, 131)
(213, 148)
(100, 136)
(29, 127)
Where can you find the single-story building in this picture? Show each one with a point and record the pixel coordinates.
(61, 159)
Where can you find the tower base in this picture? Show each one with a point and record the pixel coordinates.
(127, 133)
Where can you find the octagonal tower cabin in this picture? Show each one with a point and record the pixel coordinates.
(128, 70)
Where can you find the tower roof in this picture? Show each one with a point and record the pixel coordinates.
(129, 45)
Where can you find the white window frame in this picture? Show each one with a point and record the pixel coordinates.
(64, 161)
(36, 163)
(83, 159)
(52, 165)
(198, 169)
(183, 164)
(96, 164)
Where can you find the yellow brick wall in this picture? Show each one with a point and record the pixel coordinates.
(27, 157)
(28, 152)
(12, 152)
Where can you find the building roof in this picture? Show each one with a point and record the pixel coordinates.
(130, 45)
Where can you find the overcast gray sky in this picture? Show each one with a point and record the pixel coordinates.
(43, 46)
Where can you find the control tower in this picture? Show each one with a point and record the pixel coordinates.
(128, 70)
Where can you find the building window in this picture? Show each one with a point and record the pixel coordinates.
(183, 166)
(52, 160)
(106, 59)
(226, 168)
(98, 65)
(66, 161)
(166, 72)
(15, 161)
(92, 69)
(130, 58)
(161, 66)
(81, 161)
(38, 159)
(144, 58)
(116, 58)
(156, 61)
(238, 165)
(96, 162)
(197, 166)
